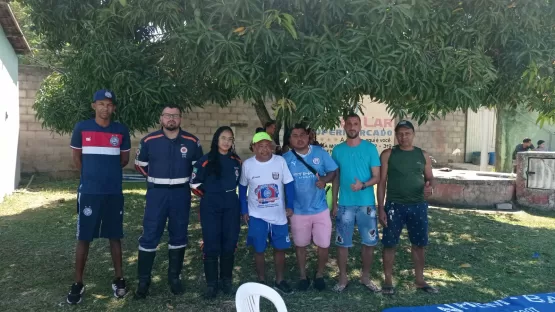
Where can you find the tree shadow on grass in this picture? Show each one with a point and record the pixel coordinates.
(38, 261)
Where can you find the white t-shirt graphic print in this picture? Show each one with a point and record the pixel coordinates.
(265, 181)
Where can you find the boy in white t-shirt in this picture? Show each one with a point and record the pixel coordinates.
(266, 176)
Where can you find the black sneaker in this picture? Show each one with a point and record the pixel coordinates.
(319, 283)
(283, 287)
(75, 295)
(303, 284)
(118, 286)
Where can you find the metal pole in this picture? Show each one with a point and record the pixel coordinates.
(485, 139)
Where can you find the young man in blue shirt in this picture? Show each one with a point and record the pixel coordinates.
(100, 151)
(359, 171)
(312, 168)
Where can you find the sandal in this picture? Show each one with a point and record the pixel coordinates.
(388, 290)
(428, 289)
(340, 288)
(371, 286)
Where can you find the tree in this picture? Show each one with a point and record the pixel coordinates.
(313, 58)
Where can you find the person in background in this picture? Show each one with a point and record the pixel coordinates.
(215, 178)
(312, 168)
(268, 181)
(270, 128)
(406, 175)
(312, 138)
(541, 146)
(524, 147)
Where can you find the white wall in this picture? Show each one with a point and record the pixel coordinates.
(474, 131)
(9, 117)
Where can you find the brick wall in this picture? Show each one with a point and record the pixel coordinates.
(441, 138)
(42, 151)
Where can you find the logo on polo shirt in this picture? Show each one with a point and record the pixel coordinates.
(114, 140)
(183, 151)
(275, 175)
(316, 160)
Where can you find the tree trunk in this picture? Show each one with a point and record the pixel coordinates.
(264, 117)
(503, 148)
(262, 112)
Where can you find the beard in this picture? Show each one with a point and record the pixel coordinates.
(354, 136)
(171, 127)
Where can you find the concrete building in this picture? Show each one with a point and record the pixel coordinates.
(12, 43)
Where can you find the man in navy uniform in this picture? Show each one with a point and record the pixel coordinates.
(166, 158)
(100, 150)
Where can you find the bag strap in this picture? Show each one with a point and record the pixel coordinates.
(314, 172)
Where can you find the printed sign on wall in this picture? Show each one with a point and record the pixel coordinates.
(377, 127)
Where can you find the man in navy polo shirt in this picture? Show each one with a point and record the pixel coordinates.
(100, 151)
(166, 158)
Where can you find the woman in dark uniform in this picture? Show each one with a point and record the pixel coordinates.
(215, 178)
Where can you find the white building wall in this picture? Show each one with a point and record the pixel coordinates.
(9, 117)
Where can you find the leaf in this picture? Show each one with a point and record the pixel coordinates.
(465, 265)
(123, 2)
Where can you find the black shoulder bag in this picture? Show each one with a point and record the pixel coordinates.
(309, 167)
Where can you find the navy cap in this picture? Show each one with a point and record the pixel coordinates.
(404, 124)
(104, 94)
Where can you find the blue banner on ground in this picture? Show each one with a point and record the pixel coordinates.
(526, 303)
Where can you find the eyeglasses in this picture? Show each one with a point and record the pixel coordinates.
(171, 116)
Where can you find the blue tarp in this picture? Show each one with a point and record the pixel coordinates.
(526, 303)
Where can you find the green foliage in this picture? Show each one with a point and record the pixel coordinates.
(39, 55)
(422, 58)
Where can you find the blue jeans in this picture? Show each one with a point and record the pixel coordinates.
(366, 220)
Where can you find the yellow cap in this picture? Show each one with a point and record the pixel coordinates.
(261, 136)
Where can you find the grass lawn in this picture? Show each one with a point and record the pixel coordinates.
(473, 256)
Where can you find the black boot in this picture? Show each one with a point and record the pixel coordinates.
(146, 259)
(211, 275)
(226, 272)
(174, 270)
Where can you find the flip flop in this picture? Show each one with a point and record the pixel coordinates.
(428, 289)
(388, 290)
(340, 288)
(371, 286)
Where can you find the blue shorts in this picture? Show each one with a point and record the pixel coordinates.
(99, 215)
(366, 220)
(415, 216)
(260, 231)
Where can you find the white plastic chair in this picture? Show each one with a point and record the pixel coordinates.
(248, 295)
